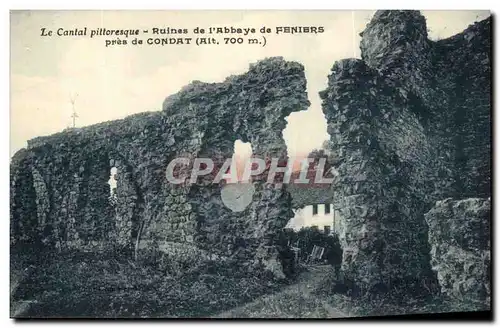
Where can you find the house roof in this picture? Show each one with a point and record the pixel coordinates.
(303, 195)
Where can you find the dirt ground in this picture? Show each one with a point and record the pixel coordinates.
(293, 301)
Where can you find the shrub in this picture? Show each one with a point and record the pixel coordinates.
(307, 238)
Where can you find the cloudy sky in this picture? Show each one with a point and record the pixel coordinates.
(113, 82)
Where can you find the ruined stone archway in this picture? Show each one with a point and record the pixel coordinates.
(400, 121)
(202, 120)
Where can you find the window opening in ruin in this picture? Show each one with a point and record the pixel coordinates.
(327, 208)
(315, 209)
(112, 184)
(242, 154)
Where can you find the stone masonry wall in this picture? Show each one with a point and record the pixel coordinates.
(409, 125)
(67, 173)
(464, 69)
(380, 190)
(449, 83)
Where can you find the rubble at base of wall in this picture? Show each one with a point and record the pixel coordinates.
(459, 235)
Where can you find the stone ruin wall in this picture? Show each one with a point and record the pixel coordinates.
(60, 192)
(410, 124)
(379, 191)
(450, 82)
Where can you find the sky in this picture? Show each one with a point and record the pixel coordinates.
(108, 83)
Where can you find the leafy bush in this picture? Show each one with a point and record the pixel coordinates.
(308, 237)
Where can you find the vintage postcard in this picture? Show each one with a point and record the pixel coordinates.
(250, 164)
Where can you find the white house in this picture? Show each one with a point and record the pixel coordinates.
(322, 216)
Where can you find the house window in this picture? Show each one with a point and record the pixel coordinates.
(327, 229)
(315, 209)
(327, 208)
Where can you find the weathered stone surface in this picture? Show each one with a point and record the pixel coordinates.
(409, 125)
(402, 125)
(67, 173)
(449, 84)
(459, 232)
(380, 189)
(464, 69)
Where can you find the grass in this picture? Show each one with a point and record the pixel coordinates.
(285, 305)
(394, 303)
(97, 285)
(292, 302)
(83, 285)
(388, 305)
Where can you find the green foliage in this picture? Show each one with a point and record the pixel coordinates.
(308, 237)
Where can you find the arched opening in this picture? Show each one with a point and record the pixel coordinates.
(112, 184)
(238, 195)
(313, 233)
(242, 154)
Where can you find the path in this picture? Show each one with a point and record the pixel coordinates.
(294, 301)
